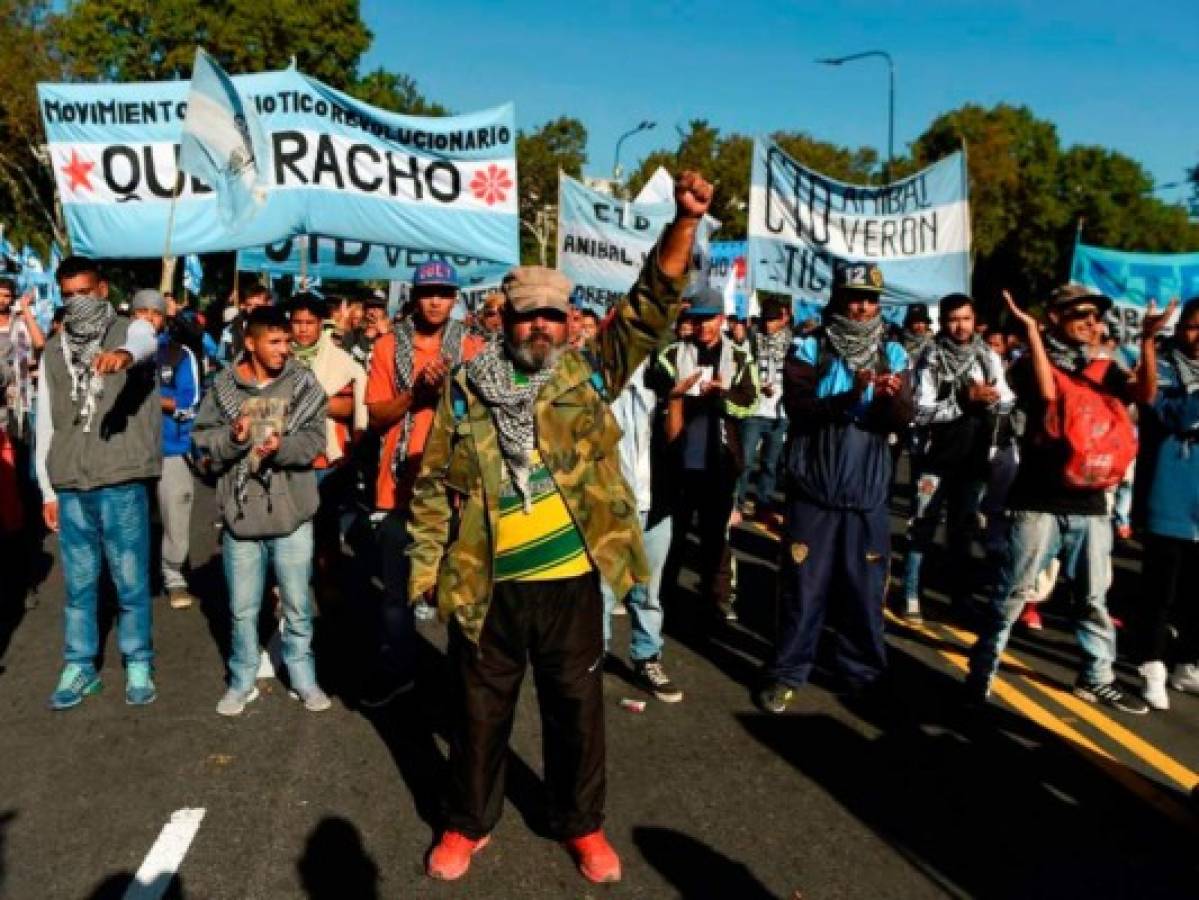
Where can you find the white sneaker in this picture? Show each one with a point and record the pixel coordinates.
(314, 699)
(1185, 677)
(235, 701)
(1154, 691)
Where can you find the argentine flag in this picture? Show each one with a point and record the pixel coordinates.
(193, 274)
(223, 143)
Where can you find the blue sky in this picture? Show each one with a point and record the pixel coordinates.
(1120, 75)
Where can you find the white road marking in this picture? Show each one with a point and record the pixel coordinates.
(162, 862)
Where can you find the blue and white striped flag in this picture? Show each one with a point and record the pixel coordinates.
(223, 143)
(193, 274)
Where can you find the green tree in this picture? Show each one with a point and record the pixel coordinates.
(1028, 195)
(726, 160)
(559, 145)
(131, 40)
(396, 92)
(27, 204)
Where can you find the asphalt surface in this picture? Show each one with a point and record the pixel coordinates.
(903, 796)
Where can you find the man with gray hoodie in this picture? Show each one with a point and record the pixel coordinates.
(98, 443)
(262, 425)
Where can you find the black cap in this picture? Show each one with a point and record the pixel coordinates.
(857, 276)
(917, 312)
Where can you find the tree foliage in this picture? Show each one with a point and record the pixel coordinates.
(558, 145)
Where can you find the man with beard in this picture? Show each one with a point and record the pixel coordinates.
(845, 390)
(960, 391)
(519, 511)
(1054, 511)
(408, 370)
(99, 442)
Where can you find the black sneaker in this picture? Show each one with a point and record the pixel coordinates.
(776, 698)
(654, 679)
(1110, 695)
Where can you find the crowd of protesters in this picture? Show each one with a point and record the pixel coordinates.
(534, 469)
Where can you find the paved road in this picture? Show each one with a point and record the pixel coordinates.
(1040, 796)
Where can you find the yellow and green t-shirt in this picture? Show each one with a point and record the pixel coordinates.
(542, 544)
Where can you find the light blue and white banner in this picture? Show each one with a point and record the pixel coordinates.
(193, 274)
(1131, 280)
(338, 259)
(337, 166)
(660, 189)
(917, 229)
(603, 242)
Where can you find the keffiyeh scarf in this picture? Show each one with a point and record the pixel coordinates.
(952, 361)
(1072, 358)
(452, 337)
(493, 377)
(855, 342)
(1188, 370)
(772, 352)
(83, 330)
(307, 397)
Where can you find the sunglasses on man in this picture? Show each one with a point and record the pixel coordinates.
(1078, 313)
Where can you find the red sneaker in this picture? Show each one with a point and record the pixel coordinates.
(1030, 618)
(450, 859)
(595, 857)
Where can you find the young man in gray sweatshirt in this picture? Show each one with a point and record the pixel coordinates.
(262, 425)
(98, 442)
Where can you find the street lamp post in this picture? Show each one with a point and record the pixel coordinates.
(882, 54)
(645, 125)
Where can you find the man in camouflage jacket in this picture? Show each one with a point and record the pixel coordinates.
(519, 510)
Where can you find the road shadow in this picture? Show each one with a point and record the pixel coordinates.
(694, 869)
(6, 819)
(335, 864)
(123, 886)
(986, 805)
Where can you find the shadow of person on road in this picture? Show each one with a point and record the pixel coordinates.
(694, 869)
(989, 805)
(335, 864)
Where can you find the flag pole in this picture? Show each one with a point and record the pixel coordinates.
(168, 261)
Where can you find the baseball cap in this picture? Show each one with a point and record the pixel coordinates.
(706, 301)
(858, 276)
(536, 287)
(917, 312)
(435, 272)
(1075, 294)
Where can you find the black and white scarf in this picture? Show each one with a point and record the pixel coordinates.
(772, 352)
(493, 377)
(951, 362)
(1188, 370)
(83, 330)
(452, 336)
(1072, 358)
(855, 342)
(307, 398)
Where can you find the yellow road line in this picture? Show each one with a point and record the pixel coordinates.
(1167, 765)
(1143, 788)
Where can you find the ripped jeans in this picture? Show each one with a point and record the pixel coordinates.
(1035, 539)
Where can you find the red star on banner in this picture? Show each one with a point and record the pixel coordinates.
(77, 170)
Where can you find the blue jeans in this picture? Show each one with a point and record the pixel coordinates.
(245, 572)
(1036, 538)
(644, 600)
(113, 521)
(771, 433)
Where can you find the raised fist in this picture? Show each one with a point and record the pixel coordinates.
(692, 195)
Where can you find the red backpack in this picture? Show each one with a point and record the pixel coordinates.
(1093, 426)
